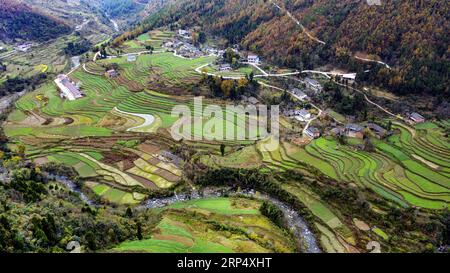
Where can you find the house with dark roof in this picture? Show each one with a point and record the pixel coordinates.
(312, 132)
(379, 131)
(112, 73)
(337, 131)
(354, 130)
(313, 85)
(416, 118)
(299, 94)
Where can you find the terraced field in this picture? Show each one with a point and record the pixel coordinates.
(410, 168)
(217, 225)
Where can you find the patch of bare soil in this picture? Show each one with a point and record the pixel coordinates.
(148, 148)
(167, 175)
(147, 183)
(113, 157)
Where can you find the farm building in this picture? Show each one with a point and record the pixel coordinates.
(24, 47)
(299, 94)
(416, 118)
(379, 131)
(337, 131)
(168, 44)
(354, 131)
(183, 32)
(312, 132)
(132, 58)
(253, 59)
(68, 88)
(313, 85)
(224, 67)
(302, 115)
(349, 77)
(112, 73)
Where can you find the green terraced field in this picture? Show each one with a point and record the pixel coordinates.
(243, 229)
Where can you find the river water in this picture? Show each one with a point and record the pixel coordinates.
(295, 222)
(297, 225)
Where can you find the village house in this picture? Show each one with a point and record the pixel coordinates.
(337, 131)
(379, 131)
(302, 115)
(67, 88)
(224, 67)
(350, 78)
(131, 58)
(183, 32)
(168, 44)
(24, 47)
(253, 59)
(313, 85)
(354, 131)
(253, 100)
(299, 94)
(416, 118)
(112, 73)
(312, 132)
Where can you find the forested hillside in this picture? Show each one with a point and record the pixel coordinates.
(18, 20)
(411, 37)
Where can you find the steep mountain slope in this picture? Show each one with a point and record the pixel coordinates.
(410, 37)
(18, 20)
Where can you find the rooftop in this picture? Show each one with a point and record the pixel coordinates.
(354, 127)
(312, 81)
(416, 116)
(313, 130)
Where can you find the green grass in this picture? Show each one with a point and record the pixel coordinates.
(380, 233)
(216, 205)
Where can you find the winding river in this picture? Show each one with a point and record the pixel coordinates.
(297, 225)
(295, 222)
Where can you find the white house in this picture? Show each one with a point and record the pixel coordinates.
(302, 115)
(417, 118)
(224, 67)
(132, 58)
(253, 59)
(183, 32)
(68, 88)
(312, 132)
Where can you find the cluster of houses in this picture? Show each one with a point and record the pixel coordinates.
(182, 44)
(353, 130)
(67, 88)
